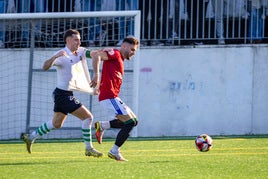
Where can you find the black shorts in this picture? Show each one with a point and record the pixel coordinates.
(65, 102)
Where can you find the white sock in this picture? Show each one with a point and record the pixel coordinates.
(86, 131)
(115, 149)
(105, 125)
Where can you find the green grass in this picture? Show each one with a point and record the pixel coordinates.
(230, 157)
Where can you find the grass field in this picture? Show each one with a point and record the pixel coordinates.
(230, 157)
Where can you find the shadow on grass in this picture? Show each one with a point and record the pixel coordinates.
(51, 162)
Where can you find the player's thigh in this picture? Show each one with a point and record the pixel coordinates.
(126, 116)
(116, 108)
(82, 113)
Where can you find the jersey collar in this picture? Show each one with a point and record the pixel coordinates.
(68, 51)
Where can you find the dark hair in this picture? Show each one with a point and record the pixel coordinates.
(69, 33)
(131, 40)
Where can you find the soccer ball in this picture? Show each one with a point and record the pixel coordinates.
(203, 143)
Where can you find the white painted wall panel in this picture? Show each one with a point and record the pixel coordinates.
(196, 90)
(260, 90)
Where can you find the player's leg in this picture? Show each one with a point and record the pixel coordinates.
(130, 122)
(63, 104)
(85, 115)
(100, 126)
(127, 118)
(43, 129)
(116, 123)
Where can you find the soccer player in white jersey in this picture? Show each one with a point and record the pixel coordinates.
(66, 61)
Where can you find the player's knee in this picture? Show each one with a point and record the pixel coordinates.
(135, 122)
(127, 128)
(132, 122)
(57, 125)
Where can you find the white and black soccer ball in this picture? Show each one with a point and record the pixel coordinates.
(203, 143)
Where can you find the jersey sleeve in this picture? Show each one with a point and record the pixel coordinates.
(58, 61)
(84, 52)
(113, 54)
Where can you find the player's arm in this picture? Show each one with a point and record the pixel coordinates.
(48, 63)
(97, 56)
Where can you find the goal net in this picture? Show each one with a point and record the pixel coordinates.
(29, 40)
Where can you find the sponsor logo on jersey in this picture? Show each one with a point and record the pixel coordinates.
(111, 52)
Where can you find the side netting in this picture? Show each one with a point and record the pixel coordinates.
(26, 90)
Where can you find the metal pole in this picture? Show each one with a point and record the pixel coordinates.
(30, 75)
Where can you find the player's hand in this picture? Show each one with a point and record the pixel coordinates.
(96, 91)
(94, 53)
(95, 80)
(48, 63)
(60, 53)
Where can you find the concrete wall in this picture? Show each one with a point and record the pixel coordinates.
(188, 91)
(181, 91)
(260, 90)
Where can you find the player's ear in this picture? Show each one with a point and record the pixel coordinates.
(124, 45)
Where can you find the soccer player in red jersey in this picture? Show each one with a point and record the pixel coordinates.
(111, 79)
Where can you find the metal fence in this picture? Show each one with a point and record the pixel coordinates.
(163, 22)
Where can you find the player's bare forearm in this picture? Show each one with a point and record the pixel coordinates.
(48, 63)
(96, 59)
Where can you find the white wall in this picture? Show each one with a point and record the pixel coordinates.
(260, 91)
(188, 91)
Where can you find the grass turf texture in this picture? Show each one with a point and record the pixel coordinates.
(230, 157)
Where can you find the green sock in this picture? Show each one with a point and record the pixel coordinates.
(42, 130)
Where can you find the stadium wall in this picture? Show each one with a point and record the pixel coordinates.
(182, 91)
(207, 89)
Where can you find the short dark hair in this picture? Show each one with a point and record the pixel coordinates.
(131, 40)
(69, 33)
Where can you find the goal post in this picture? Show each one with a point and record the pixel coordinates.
(79, 15)
(26, 89)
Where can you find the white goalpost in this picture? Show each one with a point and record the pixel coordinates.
(26, 90)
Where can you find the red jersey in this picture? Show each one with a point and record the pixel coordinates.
(112, 75)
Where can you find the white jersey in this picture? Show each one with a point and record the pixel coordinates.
(72, 71)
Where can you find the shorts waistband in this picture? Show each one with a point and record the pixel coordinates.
(63, 91)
